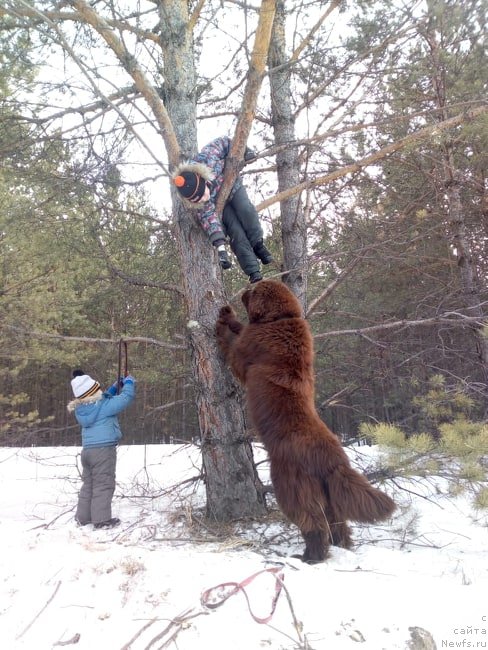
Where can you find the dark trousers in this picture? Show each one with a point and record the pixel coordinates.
(241, 225)
(98, 476)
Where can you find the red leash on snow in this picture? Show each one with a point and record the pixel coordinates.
(216, 596)
(123, 368)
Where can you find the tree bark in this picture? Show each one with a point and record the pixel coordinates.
(451, 180)
(293, 223)
(466, 265)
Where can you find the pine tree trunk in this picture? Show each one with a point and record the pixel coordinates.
(233, 488)
(294, 227)
(466, 265)
(451, 179)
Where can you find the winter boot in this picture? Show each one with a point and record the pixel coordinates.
(111, 523)
(262, 253)
(255, 277)
(224, 260)
(80, 523)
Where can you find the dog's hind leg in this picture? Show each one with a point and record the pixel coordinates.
(301, 499)
(316, 546)
(340, 534)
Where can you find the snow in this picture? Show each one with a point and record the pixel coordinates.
(139, 586)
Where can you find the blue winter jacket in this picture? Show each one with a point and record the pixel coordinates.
(99, 423)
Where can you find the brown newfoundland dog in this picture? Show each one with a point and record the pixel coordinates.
(314, 483)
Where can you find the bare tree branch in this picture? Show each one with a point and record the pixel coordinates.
(422, 134)
(331, 7)
(332, 286)
(256, 73)
(140, 282)
(195, 15)
(142, 84)
(459, 321)
(58, 585)
(87, 339)
(24, 10)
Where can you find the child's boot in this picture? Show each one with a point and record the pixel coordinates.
(262, 253)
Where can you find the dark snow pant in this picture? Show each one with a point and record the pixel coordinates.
(98, 476)
(241, 225)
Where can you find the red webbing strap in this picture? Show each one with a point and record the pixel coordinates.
(216, 596)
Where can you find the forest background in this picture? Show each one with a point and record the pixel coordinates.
(370, 124)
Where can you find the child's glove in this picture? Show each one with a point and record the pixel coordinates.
(128, 380)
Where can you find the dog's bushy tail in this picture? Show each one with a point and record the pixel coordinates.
(354, 498)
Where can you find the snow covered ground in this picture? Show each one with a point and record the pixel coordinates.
(139, 586)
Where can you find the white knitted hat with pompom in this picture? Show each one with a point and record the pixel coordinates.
(83, 385)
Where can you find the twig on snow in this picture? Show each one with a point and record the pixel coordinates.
(138, 634)
(37, 616)
(298, 625)
(179, 623)
(74, 639)
(49, 523)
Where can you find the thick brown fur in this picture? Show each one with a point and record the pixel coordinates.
(314, 483)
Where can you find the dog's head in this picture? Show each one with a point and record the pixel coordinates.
(270, 300)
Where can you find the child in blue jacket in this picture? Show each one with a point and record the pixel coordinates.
(198, 182)
(96, 412)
